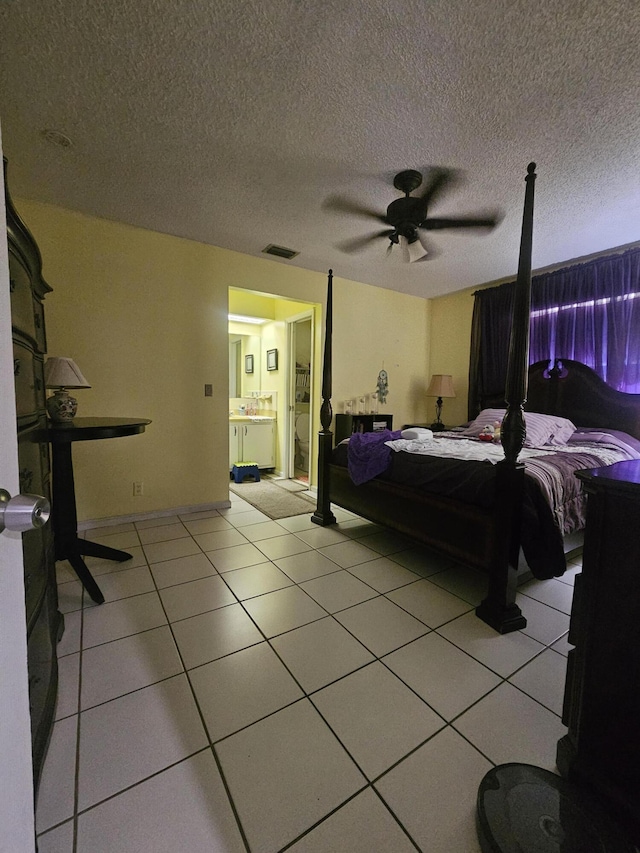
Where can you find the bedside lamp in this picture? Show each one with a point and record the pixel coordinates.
(62, 373)
(441, 385)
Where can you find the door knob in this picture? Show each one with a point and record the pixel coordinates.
(24, 512)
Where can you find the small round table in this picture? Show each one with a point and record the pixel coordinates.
(68, 545)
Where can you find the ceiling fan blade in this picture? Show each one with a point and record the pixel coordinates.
(438, 179)
(460, 222)
(360, 243)
(345, 205)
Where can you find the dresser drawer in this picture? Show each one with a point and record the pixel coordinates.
(35, 573)
(33, 469)
(24, 374)
(39, 574)
(22, 303)
(43, 676)
(33, 461)
(38, 317)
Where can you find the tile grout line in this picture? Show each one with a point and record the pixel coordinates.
(76, 793)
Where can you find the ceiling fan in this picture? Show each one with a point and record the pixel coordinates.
(406, 218)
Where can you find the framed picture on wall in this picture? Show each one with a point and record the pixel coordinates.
(248, 364)
(272, 359)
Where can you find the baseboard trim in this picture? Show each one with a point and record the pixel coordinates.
(90, 523)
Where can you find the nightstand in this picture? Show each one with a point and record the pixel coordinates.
(602, 695)
(346, 425)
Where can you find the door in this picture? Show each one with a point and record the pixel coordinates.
(300, 430)
(16, 802)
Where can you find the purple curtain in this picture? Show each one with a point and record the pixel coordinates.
(490, 330)
(591, 313)
(588, 312)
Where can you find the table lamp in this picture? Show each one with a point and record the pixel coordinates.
(61, 374)
(441, 385)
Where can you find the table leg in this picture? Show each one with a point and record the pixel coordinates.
(94, 549)
(68, 545)
(82, 547)
(86, 578)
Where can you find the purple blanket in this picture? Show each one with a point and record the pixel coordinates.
(621, 440)
(367, 454)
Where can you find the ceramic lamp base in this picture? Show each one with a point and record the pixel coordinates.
(61, 407)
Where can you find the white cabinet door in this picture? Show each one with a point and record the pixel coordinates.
(258, 444)
(235, 446)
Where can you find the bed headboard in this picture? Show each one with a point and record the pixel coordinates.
(572, 390)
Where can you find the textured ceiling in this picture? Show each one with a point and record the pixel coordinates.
(231, 123)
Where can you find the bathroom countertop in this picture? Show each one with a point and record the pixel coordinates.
(250, 418)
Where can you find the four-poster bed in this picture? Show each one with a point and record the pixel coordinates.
(484, 534)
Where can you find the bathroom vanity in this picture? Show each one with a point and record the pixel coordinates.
(252, 438)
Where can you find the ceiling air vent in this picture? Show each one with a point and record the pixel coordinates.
(280, 251)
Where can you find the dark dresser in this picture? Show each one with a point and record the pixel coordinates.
(44, 622)
(602, 693)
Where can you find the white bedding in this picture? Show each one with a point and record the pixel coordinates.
(486, 451)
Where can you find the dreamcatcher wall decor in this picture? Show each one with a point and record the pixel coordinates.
(382, 386)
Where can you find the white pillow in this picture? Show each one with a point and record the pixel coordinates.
(541, 429)
(417, 433)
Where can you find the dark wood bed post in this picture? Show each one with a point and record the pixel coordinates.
(499, 609)
(323, 514)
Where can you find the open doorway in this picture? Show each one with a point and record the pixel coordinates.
(300, 395)
(276, 334)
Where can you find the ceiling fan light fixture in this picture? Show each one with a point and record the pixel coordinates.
(416, 250)
(412, 250)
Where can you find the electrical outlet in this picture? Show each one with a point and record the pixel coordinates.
(138, 489)
(208, 390)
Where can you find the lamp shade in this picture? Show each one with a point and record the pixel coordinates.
(441, 385)
(63, 373)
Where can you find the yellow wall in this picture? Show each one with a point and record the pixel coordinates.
(450, 350)
(374, 329)
(145, 317)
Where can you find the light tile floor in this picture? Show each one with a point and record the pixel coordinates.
(252, 685)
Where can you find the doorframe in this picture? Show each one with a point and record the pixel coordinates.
(290, 427)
